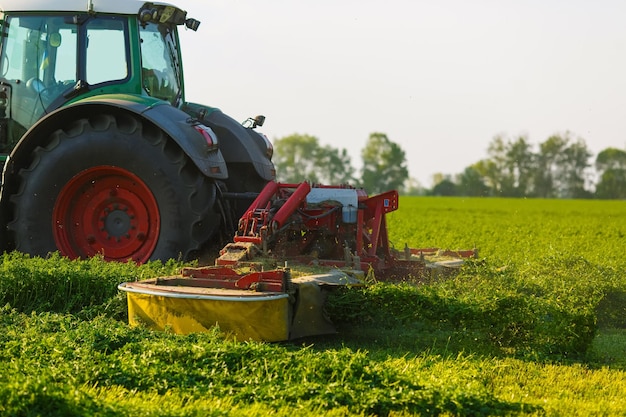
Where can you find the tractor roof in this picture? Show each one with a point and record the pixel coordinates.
(102, 6)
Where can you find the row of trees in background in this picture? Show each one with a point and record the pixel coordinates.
(558, 168)
(301, 157)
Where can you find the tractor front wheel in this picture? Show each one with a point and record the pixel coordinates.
(113, 186)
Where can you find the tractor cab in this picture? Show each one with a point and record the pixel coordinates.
(50, 58)
(100, 153)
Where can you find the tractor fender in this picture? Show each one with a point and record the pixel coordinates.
(239, 144)
(174, 122)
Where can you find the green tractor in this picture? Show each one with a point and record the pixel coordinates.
(101, 153)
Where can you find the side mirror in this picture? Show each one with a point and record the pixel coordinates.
(192, 24)
(258, 121)
(252, 122)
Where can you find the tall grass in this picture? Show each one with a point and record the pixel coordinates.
(532, 327)
(60, 365)
(57, 284)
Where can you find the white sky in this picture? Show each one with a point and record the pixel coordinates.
(440, 78)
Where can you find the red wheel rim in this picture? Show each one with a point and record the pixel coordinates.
(109, 211)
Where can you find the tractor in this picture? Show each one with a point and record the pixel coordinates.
(102, 156)
(101, 153)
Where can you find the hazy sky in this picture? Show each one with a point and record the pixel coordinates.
(440, 78)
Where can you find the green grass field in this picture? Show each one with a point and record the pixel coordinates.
(534, 327)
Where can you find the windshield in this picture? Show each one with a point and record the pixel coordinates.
(41, 48)
(159, 63)
(41, 58)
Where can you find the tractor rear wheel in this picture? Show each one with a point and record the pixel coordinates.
(114, 186)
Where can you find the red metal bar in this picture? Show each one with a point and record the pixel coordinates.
(222, 277)
(383, 238)
(359, 232)
(272, 279)
(263, 198)
(252, 239)
(256, 215)
(377, 207)
(291, 205)
(375, 224)
(387, 201)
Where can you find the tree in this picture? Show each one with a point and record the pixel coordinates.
(561, 168)
(384, 164)
(521, 166)
(611, 158)
(548, 163)
(292, 158)
(510, 167)
(337, 164)
(445, 187)
(496, 168)
(471, 184)
(489, 171)
(301, 158)
(611, 167)
(575, 164)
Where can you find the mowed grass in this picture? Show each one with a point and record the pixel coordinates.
(534, 326)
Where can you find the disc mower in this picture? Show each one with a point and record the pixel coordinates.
(338, 233)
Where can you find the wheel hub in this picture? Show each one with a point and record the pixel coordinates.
(117, 224)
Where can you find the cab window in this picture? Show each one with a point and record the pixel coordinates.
(107, 54)
(159, 63)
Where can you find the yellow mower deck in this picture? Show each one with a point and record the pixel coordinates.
(185, 304)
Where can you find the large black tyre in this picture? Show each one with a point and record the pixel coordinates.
(113, 185)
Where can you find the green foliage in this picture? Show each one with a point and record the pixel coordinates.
(58, 364)
(510, 167)
(534, 326)
(384, 164)
(501, 313)
(611, 166)
(444, 188)
(471, 184)
(301, 158)
(60, 285)
(557, 170)
(550, 265)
